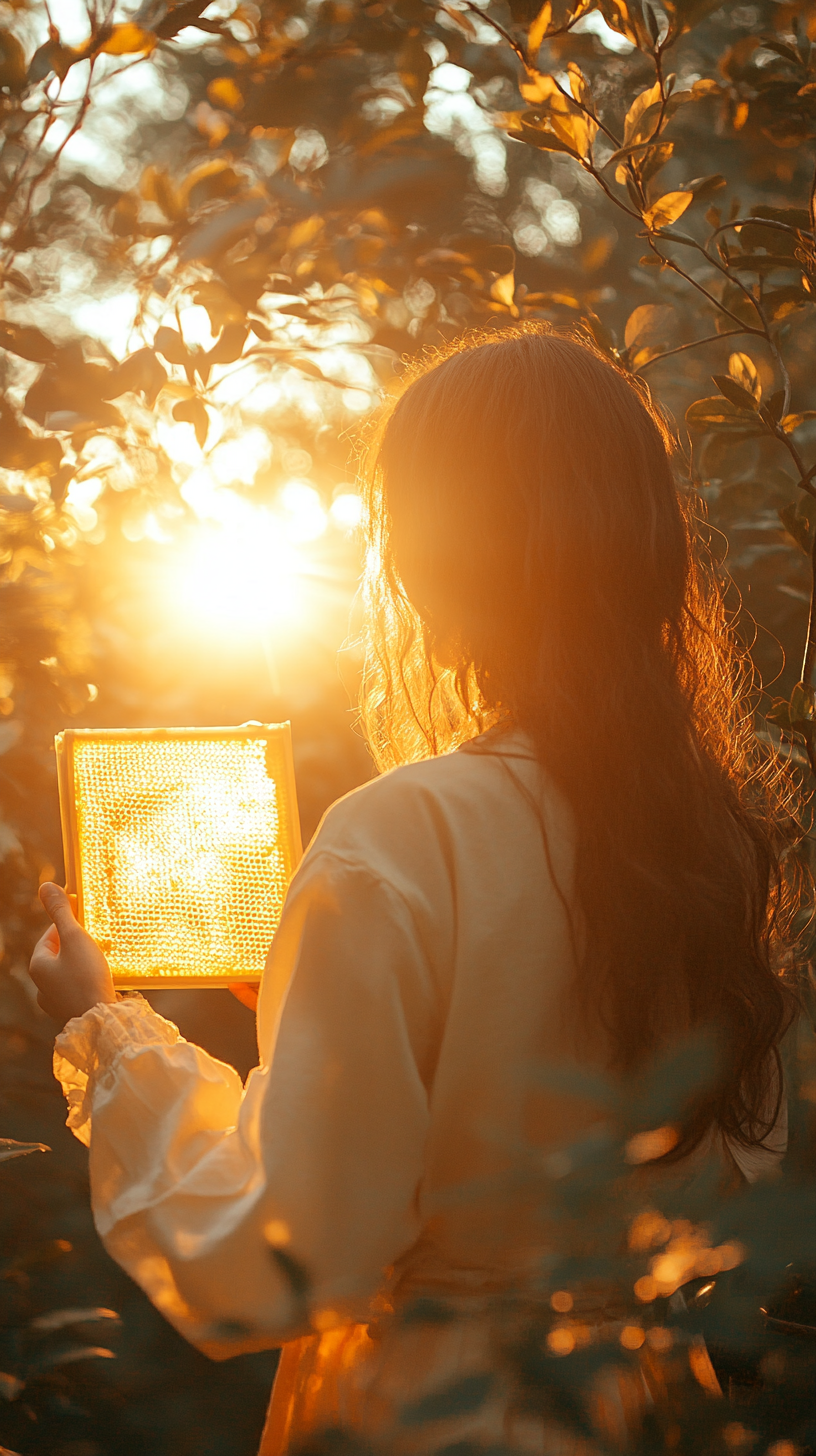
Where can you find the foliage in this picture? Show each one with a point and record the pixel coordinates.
(222, 227)
(666, 1302)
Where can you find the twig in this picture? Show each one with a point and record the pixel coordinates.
(768, 222)
(709, 339)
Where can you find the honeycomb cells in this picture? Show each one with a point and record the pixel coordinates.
(184, 846)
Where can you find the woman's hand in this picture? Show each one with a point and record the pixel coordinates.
(67, 967)
(246, 992)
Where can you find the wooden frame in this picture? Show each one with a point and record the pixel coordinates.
(279, 767)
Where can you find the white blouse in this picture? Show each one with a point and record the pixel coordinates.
(418, 976)
(415, 976)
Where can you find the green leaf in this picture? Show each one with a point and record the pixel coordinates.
(53, 58)
(792, 422)
(194, 412)
(742, 368)
(651, 323)
(703, 187)
(731, 390)
(229, 347)
(779, 713)
(220, 232)
(26, 342)
(141, 373)
(779, 302)
(803, 703)
(717, 412)
(797, 715)
(797, 526)
(170, 343)
(12, 62)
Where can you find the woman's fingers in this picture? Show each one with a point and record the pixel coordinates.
(245, 993)
(58, 906)
(46, 949)
(68, 968)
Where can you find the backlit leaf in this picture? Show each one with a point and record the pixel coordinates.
(224, 92)
(703, 187)
(156, 186)
(537, 133)
(140, 373)
(717, 412)
(212, 179)
(653, 158)
(797, 526)
(571, 125)
(626, 19)
(26, 342)
(504, 289)
(792, 422)
(667, 210)
(53, 58)
(742, 368)
(230, 346)
(648, 324)
(12, 62)
(217, 233)
(640, 105)
(539, 28)
(128, 39)
(579, 86)
(194, 412)
(538, 87)
(780, 302)
(170, 343)
(744, 399)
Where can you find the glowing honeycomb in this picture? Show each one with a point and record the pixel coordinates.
(179, 844)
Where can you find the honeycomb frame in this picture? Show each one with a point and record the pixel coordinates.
(179, 846)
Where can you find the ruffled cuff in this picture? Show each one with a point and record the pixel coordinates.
(90, 1046)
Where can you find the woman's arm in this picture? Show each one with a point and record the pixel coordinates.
(214, 1198)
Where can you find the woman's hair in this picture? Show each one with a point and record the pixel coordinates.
(531, 561)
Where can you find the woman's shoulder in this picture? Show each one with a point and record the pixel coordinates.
(420, 818)
(395, 803)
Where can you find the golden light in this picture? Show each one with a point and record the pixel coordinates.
(179, 846)
(242, 570)
(561, 1301)
(239, 579)
(346, 511)
(561, 1341)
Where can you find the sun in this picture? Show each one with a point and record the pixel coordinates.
(239, 578)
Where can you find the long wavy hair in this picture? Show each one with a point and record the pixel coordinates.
(531, 561)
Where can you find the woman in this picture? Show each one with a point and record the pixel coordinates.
(578, 859)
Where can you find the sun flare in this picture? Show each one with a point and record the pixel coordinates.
(241, 577)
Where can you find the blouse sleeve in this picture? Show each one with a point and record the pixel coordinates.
(246, 1214)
